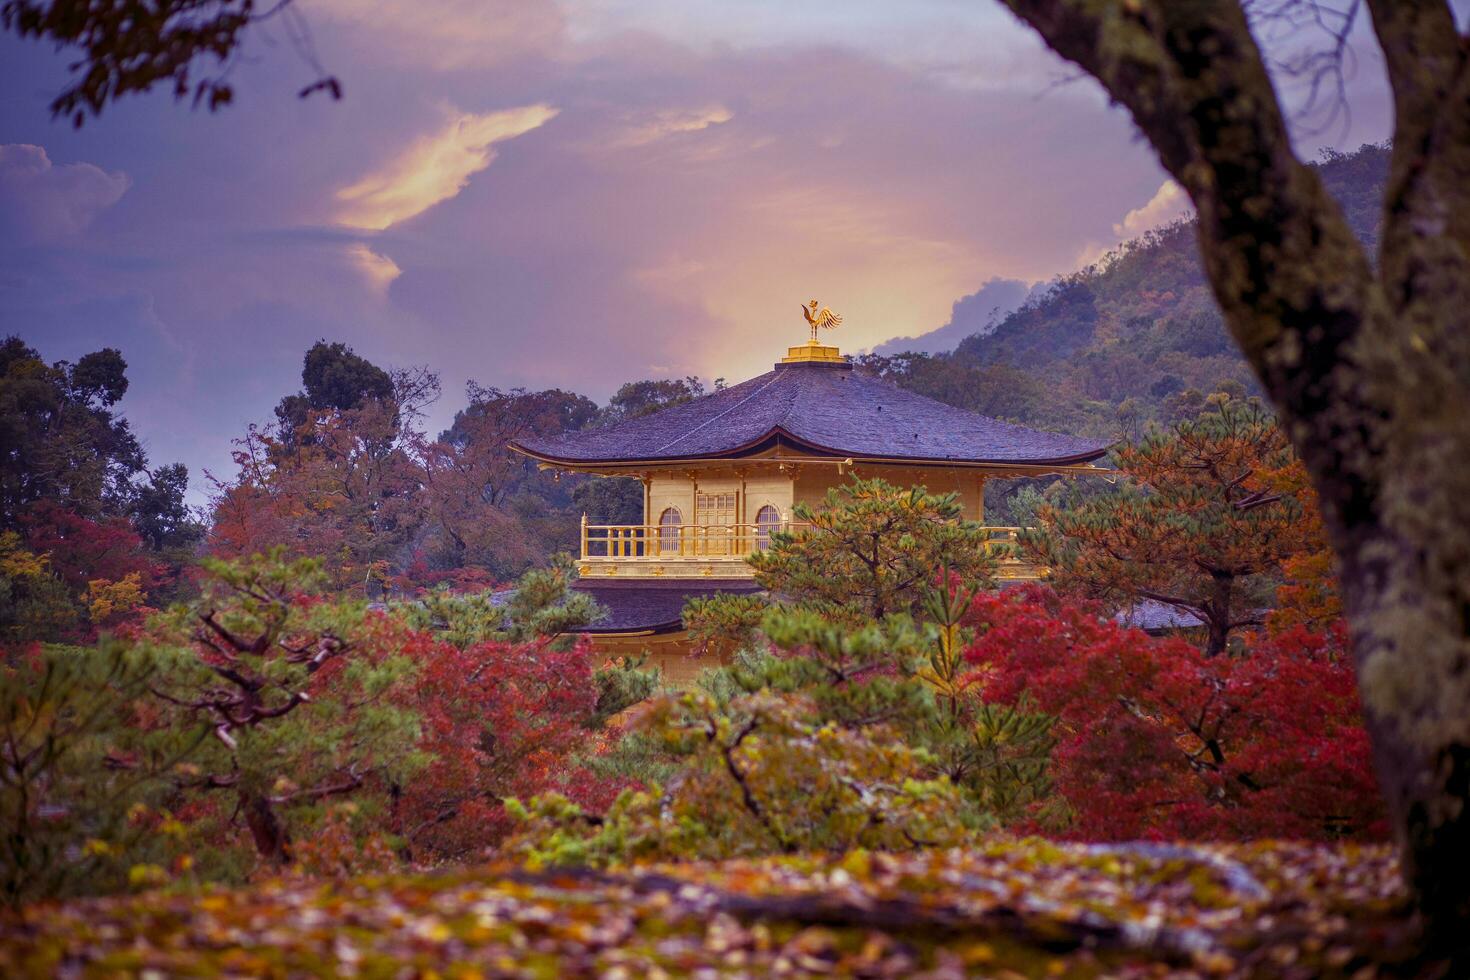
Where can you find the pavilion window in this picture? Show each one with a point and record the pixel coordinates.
(669, 530)
(715, 508)
(767, 519)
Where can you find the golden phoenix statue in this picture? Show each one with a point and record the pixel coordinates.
(823, 319)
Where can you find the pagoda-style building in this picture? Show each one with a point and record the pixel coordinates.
(721, 473)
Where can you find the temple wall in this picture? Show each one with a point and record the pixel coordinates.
(759, 488)
(773, 489)
(808, 484)
(813, 483)
(672, 653)
(670, 491)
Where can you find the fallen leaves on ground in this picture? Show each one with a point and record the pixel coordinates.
(1027, 908)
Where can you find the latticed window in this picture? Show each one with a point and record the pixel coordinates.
(715, 508)
(767, 519)
(669, 530)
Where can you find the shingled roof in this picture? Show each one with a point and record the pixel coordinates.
(656, 606)
(824, 408)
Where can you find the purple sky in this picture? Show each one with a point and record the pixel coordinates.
(568, 194)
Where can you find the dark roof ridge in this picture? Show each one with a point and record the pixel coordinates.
(842, 413)
(775, 376)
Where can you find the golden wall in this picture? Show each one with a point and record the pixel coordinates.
(672, 652)
(781, 487)
(812, 484)
(756, 489)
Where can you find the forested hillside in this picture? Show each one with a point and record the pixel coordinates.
(1133, 339)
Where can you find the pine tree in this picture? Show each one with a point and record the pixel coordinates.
(1199, 524)
(872, 549)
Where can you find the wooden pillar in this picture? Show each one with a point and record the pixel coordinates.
(646, 532)
(744, 543)
(684, 547)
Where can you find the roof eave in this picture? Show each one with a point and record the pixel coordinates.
(779, 432)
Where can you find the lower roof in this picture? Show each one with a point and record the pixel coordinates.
(1152, 616)
(651, 607)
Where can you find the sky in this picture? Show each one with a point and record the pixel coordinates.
(563, 194)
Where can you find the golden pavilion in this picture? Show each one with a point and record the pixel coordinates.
(721, 473)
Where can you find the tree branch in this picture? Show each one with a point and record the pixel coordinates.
(350, 782)
(235, 643)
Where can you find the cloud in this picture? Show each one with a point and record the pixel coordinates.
(434, 168)
(41, 201)
(1168, 203)
(668, 122)
(379, 270)
(964, 44)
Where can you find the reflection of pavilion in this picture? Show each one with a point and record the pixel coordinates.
(721, 473)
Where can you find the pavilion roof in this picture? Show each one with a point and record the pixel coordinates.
(823, 408)
(650, 606)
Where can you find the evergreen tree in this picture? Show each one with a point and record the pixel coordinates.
(83, 777)
(872, 549)
(297, 693)
(1198, 525)
(63, 439)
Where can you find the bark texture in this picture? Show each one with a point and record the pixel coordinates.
(272, 843)
(1368, 367)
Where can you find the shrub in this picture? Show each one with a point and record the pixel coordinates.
(763, 774)
(499, 719)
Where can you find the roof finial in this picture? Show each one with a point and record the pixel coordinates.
(825, 318)
(819, 317)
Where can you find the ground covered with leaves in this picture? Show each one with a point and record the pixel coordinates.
(1027, 908)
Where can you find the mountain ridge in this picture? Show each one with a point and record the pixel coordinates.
(1134, 338)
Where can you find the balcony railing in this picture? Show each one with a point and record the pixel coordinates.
(710, 549)
(665, 542)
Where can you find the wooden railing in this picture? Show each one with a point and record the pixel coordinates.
(653, 543)
(663, 542)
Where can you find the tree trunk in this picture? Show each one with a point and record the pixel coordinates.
(1217, 639)
(1369, 368)
(272, 843)
(1411, 629)
(1218, 612)
(395, 821)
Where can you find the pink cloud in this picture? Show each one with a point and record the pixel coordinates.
(435, 167)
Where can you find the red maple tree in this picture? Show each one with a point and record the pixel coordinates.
(499, 719)
(81, 549)
(1158, 740)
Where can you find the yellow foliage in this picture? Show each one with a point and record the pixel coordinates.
(17, 561)
(147, 876)
(104, 598)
